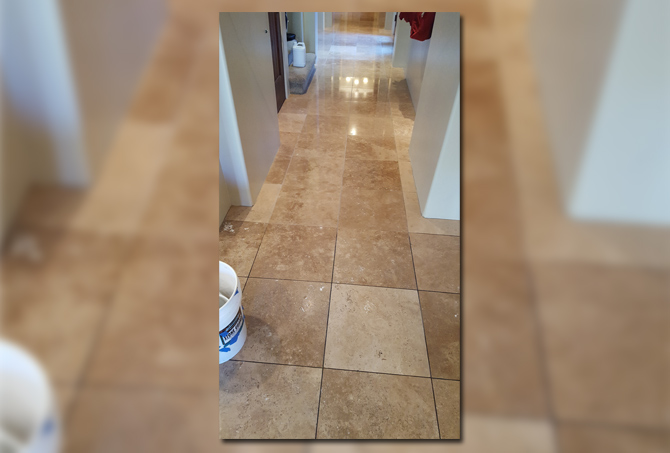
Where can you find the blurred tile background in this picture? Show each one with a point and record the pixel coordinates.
(566, 324)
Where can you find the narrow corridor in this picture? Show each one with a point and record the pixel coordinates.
(352, 298)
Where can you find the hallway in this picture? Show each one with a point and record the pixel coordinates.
(351, 297)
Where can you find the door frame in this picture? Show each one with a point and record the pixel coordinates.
(277, 57)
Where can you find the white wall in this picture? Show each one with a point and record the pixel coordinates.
(295, 25)
(224, 196)
(249, 129)
(435, 147)
(401, 43)
(416, 66)
(310, 32)
(610, 99)
(388, 21)
(328, 19)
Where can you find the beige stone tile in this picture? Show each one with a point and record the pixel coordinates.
(386, 407)
(55, 297)
(307, 207)
(371, 148)
(112, 419)
(320, 146)
(370, 109)
(243, 281)
(325, 125)
(371, 174)
(605, 332)
(288, 139)
(314, 174)
(402, 109)
(402, 148)
(441, 314)
(261, 401)
(370, 126)
(402, 127)
(448, 404)
(291, 122)
(296, 252)
(261, 211)
(278, 170)
(286, 321)
(295, 104)
(239, 243)
(162, 295)
(417, 223)
(437, 262)
(49, 205)
(407, 177)
(374, 258)
(372, 209)
(328, 107)
(575, 438)
(376, 329)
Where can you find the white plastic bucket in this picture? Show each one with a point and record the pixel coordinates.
(299, 53)
(28, 417)
(232, 328)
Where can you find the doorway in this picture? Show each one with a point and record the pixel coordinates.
(277, 59)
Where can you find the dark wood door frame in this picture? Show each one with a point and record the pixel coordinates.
(277, 58)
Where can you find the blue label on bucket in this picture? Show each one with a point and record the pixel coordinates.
(230, 334)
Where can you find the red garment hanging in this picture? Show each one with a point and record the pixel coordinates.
(422, 24)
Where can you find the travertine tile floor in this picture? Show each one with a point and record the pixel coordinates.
(351, 297)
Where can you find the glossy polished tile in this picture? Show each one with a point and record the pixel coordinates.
(370, 109)
(239, 243)
(370, 126)
(261, 401)
(319, 146)
(437, 262)
(402, 148)
(371, 148)
(387, 407)
(403, 127)
(278, 170)
(448, 404)
(307, 207)
(296, 252)
(442, 324)
(286, 321)
(328, 107)
(407, 177)
(296, 104)
(417, 223)
(325, 124)
(372, 174)
(374, 258)
(261, 211)
(314, 174)
(376, 329)
(291, 122)
(403, 110)
(372, 209)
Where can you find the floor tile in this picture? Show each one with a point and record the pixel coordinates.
(307, 207)
(372, 209)
(403, 110)
(291, 122)
(288, 139)
(261, 211)
(506, 435)
(576, 438)
(296, 252)
(402, 148)
(111, 419)
(370, 109)
(239, 243)
(374, 258)
(369, 126)
(371, 148)
(372, 174)
(328, 107)
(278, 170)
(315, 174)
(442, 323)
(402, 127)
(325, 124)
(603, 366)
(376, 329)
(437, 261)
(286, 321)
(417, 223)
(407, 177)
(163, 292)
(317, 146)
(448, 404)
(49, 206)
(387, 407)
(295, 104)
(261, 401)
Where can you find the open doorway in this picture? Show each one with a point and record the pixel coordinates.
(277, 58)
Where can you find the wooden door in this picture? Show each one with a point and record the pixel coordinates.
(277, 58)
